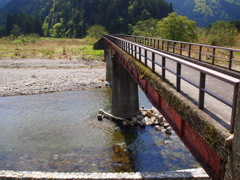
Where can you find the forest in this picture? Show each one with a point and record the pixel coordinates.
(207, 12)
(72, 18)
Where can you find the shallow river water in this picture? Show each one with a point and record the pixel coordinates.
(60, 132)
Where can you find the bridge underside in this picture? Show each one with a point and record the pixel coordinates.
(203, 136)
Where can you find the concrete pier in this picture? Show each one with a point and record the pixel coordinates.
(108, 58)
(125, 102)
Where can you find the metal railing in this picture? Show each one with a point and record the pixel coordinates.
(220, 56)
(141, 53)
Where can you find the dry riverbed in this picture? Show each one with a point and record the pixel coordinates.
(34, 76)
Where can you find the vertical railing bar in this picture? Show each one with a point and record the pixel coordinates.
(234, 107)
(202, 90)
(132, 49)
(162, 45)
(135, 48)
(140, 54)
(163, 68)
(178, 79)
(189, 50)
(158, 44)
(153, 62)
(154, 43)
(200, 53)
(230, 60)
(181, 47)
(174, 44)
(213, 56)
(168, 45)
(145, 57)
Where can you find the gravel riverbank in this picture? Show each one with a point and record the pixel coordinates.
(34, 76)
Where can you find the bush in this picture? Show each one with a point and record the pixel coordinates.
(222, 33)
(147, 28)
(96, 31)
(176, 27)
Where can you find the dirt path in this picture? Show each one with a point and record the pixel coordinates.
(34, 76)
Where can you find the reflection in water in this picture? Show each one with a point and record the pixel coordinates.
(59, 132)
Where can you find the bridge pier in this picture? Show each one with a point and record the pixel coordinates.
(108, 58)
(125, 102)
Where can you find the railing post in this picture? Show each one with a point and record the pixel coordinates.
(202, 90)
(135, 49)
(145, 54)
(200, 53)
(181, 48)
(189, 50)
(132, 49)
(178, 83)
(163, 68)
(174, 44)
(230, 60)
(153, 62)
(213, 56)
(140, 54)
(168, 45)
(234, 106)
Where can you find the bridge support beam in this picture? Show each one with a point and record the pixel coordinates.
(125, 102)
(108, 58)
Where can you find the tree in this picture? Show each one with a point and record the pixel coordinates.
(176, 27)
(16, 31)
(96, 31)
(147, 28)
(222, 33)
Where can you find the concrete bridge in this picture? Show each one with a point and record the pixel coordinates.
(194, 86)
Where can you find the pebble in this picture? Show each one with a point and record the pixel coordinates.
(168, 131)
(158, 128)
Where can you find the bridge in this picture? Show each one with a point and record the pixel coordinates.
(194, 86)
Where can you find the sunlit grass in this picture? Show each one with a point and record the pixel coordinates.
(49, 48)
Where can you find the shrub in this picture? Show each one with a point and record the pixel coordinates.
(222, 33)
(96, 31)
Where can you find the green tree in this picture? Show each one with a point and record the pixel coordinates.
(16, 31)
(147, 28)
(176, 27)
(96, 31)
(222, 33)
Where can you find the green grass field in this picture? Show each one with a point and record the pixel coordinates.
(49, 48)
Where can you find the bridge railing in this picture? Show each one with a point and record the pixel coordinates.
(220, 56)
(141, 53)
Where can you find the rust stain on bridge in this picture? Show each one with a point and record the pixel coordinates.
(203, 136)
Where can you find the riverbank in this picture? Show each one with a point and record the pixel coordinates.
(35, 76)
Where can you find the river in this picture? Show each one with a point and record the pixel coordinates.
(59, 132)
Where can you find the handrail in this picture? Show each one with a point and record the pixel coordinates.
(131, 48)
(220, 56)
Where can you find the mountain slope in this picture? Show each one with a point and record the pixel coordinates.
(30, 7)
(71, 18)
(3, 3)
(206, 12)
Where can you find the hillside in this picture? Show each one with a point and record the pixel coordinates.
(71, 18)
(207, 12)
(29, 7)
(3, 3)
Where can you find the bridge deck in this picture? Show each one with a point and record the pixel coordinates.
(219, 89)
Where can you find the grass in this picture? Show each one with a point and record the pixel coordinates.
(49, 48)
